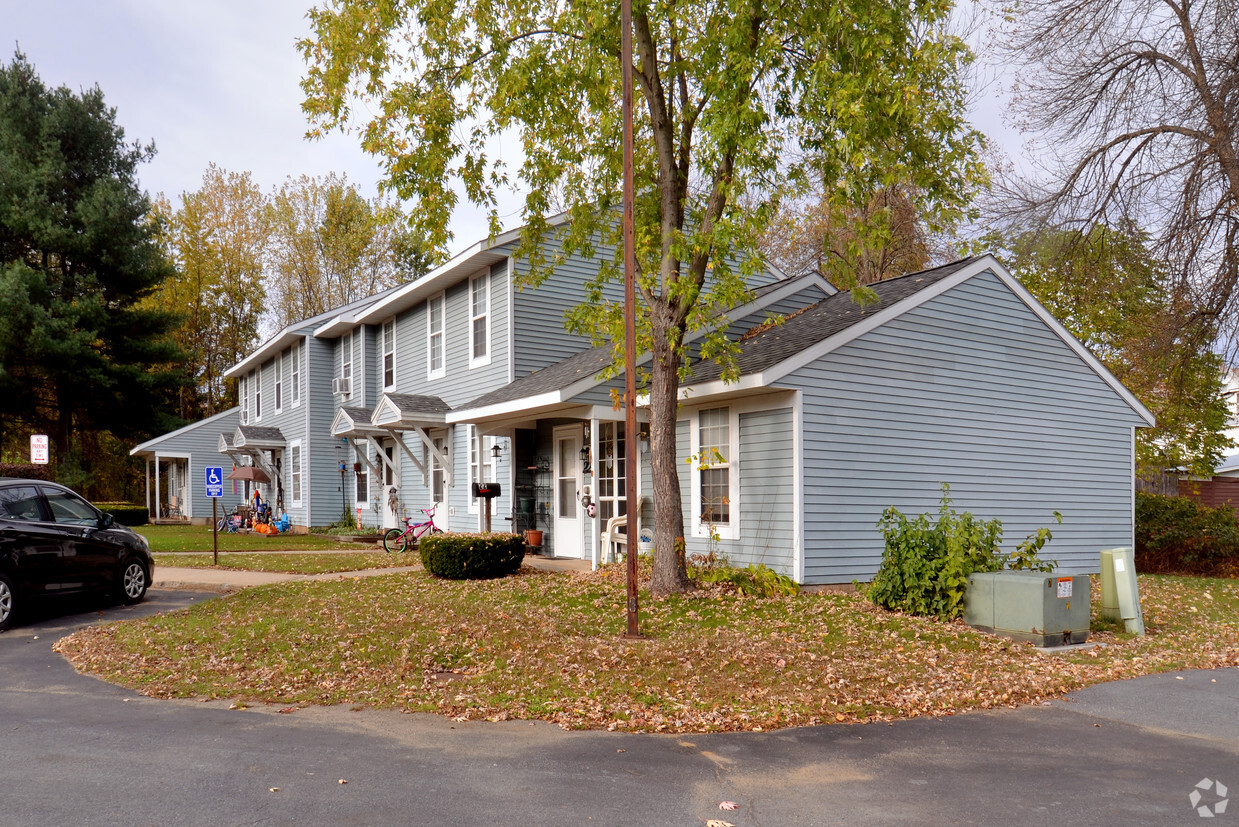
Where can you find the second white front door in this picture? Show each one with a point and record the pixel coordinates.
(390, 494)
(569, 530)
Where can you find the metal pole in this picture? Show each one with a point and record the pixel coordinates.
(630, 326)
(215, 527)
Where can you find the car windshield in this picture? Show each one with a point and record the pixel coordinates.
(20, 502)
(70, 508)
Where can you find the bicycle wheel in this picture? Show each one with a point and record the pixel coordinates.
(393, 541)
(222, 525)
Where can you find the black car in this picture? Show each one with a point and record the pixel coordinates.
(53, 542)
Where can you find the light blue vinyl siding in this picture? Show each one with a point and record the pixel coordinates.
(539, 311)
(974, 390)
(318, 406)
(201, 442)
(767, 491)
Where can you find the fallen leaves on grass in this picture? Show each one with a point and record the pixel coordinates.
(550, 647)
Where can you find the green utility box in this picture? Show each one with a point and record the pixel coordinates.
(1045, 609)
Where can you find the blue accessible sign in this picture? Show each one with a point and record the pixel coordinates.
(215, 482)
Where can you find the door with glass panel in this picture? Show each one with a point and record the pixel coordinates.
(569, 524)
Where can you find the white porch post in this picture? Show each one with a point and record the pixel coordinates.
(158, 498)
(595, 546)
(146, 483)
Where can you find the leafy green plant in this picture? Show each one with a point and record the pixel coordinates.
(755, 579)
(472, 556)
(1027, 555)
(1176, 533)
(925, 564)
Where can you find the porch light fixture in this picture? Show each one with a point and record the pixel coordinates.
(494, 450)
(585, 453)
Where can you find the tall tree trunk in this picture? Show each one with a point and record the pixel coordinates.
(670, 574)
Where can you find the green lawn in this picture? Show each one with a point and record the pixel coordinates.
(309, 563)
(548, 646)
(198, 538)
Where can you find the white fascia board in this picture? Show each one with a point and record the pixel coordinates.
(385, 412)
(501, 409)
(345, 425)
(284, 339)
(148, 446)
(1071, 341)
(706, 390)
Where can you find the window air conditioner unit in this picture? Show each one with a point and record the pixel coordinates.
(245, 417)
(344, 386)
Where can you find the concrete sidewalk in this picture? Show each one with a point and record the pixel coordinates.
(229, 580)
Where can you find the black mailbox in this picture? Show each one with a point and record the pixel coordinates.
(486, 490)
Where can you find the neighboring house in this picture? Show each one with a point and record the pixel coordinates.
(956, 375)
(1223, 487)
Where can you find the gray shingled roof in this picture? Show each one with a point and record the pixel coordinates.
(260, 434)
(553, 378)
(414, 404)
(360, 416)
(821, 321)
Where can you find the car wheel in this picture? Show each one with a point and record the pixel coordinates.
(134, 580)
(8, 602)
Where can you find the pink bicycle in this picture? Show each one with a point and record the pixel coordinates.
(397, 541)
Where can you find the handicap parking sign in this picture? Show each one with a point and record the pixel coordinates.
(215, 482)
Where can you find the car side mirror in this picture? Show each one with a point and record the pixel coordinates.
(107, 521)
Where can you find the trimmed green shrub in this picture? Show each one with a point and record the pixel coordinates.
(1180, 533)
(925, 564)
(127, 513)
(472, 556)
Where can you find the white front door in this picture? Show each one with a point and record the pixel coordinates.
(438, 484)
(391, 480)
(569, 525)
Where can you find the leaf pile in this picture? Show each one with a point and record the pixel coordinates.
(548, 646)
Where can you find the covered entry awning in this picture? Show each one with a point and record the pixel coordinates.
(253, 441)
(395, 413)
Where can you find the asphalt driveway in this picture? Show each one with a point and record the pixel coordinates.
(79, 751)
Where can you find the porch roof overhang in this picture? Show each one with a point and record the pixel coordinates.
(151, 447)
(353, 423)
(258, 437)
(405, 412)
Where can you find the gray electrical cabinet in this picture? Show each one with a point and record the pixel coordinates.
(1045, 609)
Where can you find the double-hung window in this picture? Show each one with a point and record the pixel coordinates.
(258, 395)
(389, 354)
(481, 462)
(346, 364)
(714, 485)
(436, 362)
(296, 470)
(479, 321)
(279, 382)
(245, 399)
(296, 375)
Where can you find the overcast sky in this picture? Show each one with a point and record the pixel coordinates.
(216, 81)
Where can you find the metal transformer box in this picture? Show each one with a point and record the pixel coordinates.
(1045, 609)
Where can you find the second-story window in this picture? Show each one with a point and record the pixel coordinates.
(389, 354)
(436, 360)
(245, 399)
(258, 395)
(296, 377)
(279, 382)
(479, 320)
(346, 364)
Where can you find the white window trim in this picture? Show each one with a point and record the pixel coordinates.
(731, 529)
(295, 377)
(365, 469)
(387, 342)
(297, 471)
(346, 361)
(245, 399)
(483, 445)
(481, 361)
(278, 389)
(258, 394)
(431, 373)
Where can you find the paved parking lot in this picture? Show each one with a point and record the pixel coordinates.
(79, 751)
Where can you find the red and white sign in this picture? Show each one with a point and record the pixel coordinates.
(40, 453)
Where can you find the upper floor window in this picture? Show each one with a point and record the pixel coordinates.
(258, 395)
(295, 380)
(346, 364)
(245, 399)
(279, 382)
(479, 321)
(436, 366)
(389, 354)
